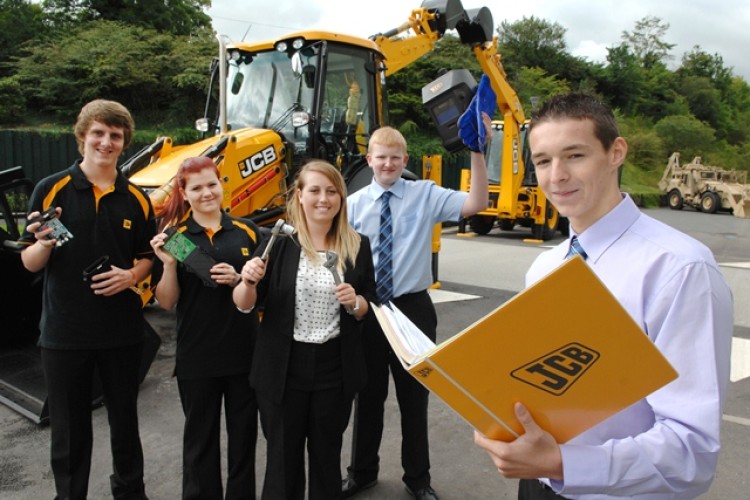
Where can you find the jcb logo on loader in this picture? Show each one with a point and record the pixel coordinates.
(257, 161)
(558, 370)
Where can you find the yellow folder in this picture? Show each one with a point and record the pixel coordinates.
(564, 347)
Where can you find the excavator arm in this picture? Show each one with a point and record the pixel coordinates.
(516, 197)
(416, 37)
(513, 116)
(426, 25)
(400, 51)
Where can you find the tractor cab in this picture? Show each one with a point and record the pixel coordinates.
(318, 91)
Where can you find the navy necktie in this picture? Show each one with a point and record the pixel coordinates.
(576, 249)
(384, 271)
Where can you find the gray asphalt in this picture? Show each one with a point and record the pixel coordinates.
(491, 269)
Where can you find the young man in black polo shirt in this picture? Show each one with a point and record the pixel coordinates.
(95, 324)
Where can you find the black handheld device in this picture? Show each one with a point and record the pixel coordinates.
(100, 265)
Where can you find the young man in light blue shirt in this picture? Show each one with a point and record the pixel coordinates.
(666, 445)
(416, 206)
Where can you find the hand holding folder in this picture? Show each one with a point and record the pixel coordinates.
(563, 347)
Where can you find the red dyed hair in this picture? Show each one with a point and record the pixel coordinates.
(176, 206)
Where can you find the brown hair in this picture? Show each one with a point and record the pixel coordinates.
(176, 206)
(580, 106)
(342, 237)
(110, 113)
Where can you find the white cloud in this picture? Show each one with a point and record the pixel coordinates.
(590, 50)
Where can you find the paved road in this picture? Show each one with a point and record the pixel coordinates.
(489, 268)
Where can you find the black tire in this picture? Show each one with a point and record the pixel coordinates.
(481, 224)
(507, 224)
(710, 202)
(674, 199)
(547, 230)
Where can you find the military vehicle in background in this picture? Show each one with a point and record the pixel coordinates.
(704, 187)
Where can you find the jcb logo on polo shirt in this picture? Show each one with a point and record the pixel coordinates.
(557, 371)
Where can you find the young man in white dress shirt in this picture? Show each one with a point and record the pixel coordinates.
(667, 444)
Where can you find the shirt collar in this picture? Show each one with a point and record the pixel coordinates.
(604, 232)
(376, 190)
(195, 228)
(80, 181)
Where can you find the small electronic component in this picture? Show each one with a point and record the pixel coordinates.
(49, 219)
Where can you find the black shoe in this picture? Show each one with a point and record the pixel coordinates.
(426, 493)
(350, 487)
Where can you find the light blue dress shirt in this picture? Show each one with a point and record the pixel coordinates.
(416, 206)
(666, 445)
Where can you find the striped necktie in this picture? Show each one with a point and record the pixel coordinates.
(384, 271)
(576, 249)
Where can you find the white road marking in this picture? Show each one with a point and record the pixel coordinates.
(438, 295)
(740, 265)
(736, 420)
(740, 359)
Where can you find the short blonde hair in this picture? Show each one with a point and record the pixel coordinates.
(388, 137)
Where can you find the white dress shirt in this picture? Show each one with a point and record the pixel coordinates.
(416, 206)
(666, 445)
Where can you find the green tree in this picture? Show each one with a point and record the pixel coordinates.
(645, 148)
(12, 100)
(635, 89)
(658, 98)
(714, 94)
(535, 82)
(624, 80)
(20, 22)
(532, 42)
(133, 65)
(647, 41)
(536, 43)
(180, 17)
(701, 64)
(704, 100)
(686, 134)
(738, 101)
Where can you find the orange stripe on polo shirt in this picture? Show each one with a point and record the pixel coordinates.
(56, 188)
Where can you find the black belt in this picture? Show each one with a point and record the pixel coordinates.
(409, 295)
(549, 489)
(533, 489)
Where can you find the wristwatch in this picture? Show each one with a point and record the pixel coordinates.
(356, 305)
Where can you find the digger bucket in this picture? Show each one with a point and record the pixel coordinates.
(742, 209)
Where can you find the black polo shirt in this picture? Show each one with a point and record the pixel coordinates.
(121, 226)
(213, 337)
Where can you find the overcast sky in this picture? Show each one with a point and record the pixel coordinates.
(721, 27)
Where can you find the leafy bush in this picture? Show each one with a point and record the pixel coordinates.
(12, 100)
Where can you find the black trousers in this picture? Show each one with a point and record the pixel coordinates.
(531, 489)
(412, 401)
(314, 413)
(201, 454)
(69, 375)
